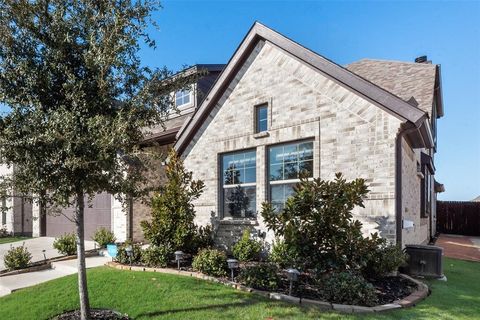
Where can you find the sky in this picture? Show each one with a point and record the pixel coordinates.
(448, 33)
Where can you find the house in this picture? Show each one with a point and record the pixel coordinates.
(105, 210)
(278, 109)
(16, 211)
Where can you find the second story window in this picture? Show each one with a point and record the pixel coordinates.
(182, 97)
(261, 118)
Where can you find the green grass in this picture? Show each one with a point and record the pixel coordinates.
(12, 239)
(145, 295)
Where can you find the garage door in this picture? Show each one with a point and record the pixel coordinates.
(96, 216)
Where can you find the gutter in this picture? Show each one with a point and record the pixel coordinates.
(409, 128)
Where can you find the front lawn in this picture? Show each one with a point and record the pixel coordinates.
(145, 295)
(12, 239)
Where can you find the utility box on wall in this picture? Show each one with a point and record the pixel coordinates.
(424, 260)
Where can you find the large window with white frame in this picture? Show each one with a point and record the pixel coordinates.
(287, 163)
(239, 184)
(183, 97)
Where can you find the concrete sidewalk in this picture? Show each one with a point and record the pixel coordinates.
(36, 246)
(59, 269)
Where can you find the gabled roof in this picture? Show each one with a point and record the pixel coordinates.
(370, 91)
(404, 79)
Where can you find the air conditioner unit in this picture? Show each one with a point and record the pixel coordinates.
(424, 260)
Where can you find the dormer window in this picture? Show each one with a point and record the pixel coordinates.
(182, 97)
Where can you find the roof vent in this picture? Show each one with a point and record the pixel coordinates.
(421, 59)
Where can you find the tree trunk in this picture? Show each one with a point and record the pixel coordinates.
(82, 272)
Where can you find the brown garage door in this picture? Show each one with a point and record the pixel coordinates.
(99, 215)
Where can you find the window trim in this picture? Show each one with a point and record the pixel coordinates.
(268, 191)
(221, 186)
(190, 95)
(257, 109)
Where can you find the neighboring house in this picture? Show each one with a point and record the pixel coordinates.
(16, 211)
(278, 109)
(105, 210)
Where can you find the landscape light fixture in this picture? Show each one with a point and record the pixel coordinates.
(292, 275)
(178, 258)
(129, 251)
(232, 265)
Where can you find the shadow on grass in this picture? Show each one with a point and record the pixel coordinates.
(220, 307)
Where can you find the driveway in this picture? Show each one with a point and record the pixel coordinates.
(36, 246)
(460, 247)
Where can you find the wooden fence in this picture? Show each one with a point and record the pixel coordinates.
(458, 217)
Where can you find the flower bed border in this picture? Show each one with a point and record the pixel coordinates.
(44, 264)
(418, 295)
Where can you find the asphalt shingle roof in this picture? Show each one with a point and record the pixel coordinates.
(403, 79)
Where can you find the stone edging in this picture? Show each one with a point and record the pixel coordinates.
(418, 295)
(33, 268)
(45, 264)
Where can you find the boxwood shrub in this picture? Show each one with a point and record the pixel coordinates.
(66, 244)
(211, 261)
(263, 276)
(348, 288)
(17, 258)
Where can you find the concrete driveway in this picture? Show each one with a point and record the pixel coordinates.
(460, 247)
(36, 246)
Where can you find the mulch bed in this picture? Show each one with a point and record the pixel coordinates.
(389, 289)
(95, 314)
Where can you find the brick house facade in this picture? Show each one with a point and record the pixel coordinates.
(248, 129)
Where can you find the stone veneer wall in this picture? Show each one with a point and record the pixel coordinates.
(350, 134)
(411, 194)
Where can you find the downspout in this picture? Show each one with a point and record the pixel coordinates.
(398, 179)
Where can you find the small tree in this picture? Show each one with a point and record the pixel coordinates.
(317, 223)
(79, 102)
(172, 224)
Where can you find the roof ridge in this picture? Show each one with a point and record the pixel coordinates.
(392, 61)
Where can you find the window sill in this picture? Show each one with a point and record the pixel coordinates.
(260, 135)
(239, 221)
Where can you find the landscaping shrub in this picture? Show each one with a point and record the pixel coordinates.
(317, 224)
(203, 238)
(66, 244)
(210, 261)
(17, 258)
(122, 256)
(173, 212)
(156, 256)
(3, 232)
(283, 256)
(262, 276)
(383, 258)
(247, 249)
(348, 288)
(103, 237)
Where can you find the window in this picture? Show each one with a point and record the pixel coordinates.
(239, 184)
(261, 118)
(182, 97)
(426, 186)
(287, 163)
